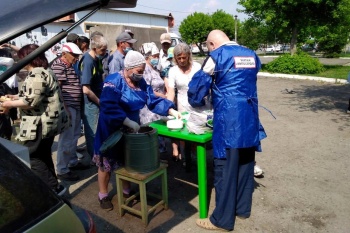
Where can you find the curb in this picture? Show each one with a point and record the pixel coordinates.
(293, 76)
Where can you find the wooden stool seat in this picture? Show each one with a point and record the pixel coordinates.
(142, 180)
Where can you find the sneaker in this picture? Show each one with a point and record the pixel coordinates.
(258, 171)
(79, 156)
(79, 166)
(68, 176)
(60, 190)
(106, 204)
(81, 147)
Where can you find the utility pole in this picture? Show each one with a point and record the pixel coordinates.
(236, 28)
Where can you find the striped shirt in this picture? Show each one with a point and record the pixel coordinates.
(70, 83)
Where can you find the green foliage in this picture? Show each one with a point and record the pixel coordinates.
(338, 72)
(250, 34)
(224, 22)
(196, 27)
(334, 71)
(299, 63)
(333, 41)
(298, 19)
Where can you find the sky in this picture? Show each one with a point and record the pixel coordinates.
(180, 9)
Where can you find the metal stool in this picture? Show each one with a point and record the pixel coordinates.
(141, 180)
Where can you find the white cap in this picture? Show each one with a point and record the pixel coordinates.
(71, 48)
(133, 59)
(149, 49)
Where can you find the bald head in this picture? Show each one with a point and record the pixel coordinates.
(215, 39)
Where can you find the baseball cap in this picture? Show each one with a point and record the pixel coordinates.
(125, 37)
(149, 49)
(72, 37)
(170, 52)
(71, 48)
(165, 38)
(130, 32)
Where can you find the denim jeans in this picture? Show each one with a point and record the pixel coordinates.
(67, 143)
(90, 119)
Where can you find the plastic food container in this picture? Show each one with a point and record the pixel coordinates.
(175, 125)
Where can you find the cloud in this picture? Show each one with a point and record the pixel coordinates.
(206, 7)
(212, 4)
(194, 7)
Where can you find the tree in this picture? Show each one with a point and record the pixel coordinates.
(224, 22)
(294, 16)
(252, 33)
(333, 40)
(195, 28)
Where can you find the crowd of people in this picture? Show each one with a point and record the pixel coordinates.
(109, 90)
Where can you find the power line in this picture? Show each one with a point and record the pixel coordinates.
(165, 9)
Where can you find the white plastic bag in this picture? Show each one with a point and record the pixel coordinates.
(196, 123)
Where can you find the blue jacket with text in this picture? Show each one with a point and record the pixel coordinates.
(233, 88)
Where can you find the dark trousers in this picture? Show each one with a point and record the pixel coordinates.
(234, 186)
(41, 160)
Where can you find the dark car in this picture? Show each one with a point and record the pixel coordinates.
(309, 48)
(27, 204)
(285, 48)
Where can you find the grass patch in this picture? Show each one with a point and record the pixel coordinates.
(334, 71)
(338, 72)
(345, 55)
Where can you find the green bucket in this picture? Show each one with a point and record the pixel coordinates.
(141, 150)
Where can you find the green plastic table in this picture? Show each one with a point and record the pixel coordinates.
(200, 140)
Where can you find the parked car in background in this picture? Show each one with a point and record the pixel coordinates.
(195, 48)
(278, 48)
(285, 48)
(270, 49)
(309, 48)
(175, 39)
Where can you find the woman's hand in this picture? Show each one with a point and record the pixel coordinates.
(175, 113)
(131, 124)
(3, 109)
(12, 97)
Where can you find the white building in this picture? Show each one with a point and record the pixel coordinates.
(146, 27)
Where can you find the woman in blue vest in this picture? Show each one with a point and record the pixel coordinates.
(123, 95)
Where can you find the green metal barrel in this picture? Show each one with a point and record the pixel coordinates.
(141, 150)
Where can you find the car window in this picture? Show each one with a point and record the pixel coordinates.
(24, 198)
(173, 43)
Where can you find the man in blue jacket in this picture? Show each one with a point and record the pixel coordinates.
(230, 73)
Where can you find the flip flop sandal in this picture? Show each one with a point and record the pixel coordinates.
(206, 224)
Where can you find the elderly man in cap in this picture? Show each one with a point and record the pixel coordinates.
(72, 94)
(165, 40)
(124, 45)
(73, 38)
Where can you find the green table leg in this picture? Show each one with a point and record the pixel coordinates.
(202, 180)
